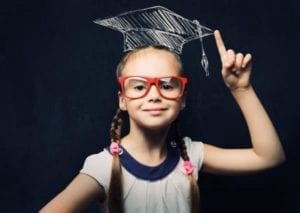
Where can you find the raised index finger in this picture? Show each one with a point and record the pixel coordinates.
(220, 44)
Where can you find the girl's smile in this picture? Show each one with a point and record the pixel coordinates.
(155, 111)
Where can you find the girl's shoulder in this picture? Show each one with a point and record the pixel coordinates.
(195, 150)
(98, 166)
(94, 160)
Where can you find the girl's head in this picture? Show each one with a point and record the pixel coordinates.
(152, 88)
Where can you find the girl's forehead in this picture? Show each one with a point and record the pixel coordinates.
(152, 62)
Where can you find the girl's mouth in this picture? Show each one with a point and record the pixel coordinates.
(155, 111)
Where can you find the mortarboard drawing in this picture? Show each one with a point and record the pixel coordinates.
(157, 26)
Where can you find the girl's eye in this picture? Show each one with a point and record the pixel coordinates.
(139, 87)
(135, 85)
(167, 87)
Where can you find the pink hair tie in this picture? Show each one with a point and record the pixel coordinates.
(114, 148)
(189, 169)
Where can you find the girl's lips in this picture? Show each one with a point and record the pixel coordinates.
(155, 111)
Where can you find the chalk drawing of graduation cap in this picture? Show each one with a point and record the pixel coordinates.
(160, 26)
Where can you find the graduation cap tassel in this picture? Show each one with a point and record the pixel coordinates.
(204, 60)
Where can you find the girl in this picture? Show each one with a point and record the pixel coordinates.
(145, 172)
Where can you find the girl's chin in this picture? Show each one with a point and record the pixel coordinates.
(155, 125)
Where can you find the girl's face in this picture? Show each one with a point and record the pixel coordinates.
(152, 111)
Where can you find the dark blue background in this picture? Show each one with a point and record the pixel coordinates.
(59, 94)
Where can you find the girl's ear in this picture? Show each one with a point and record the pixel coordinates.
(183, 103)
(122, 103)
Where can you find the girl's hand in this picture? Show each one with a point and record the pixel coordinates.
(236, 68)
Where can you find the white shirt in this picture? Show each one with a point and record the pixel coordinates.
(163, 188)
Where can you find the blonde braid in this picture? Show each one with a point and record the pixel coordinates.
(194, 193)
(115, 192)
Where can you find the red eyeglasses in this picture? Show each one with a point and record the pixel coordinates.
(170, 87)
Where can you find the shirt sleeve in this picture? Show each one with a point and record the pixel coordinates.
(195, 150)
(98, 166)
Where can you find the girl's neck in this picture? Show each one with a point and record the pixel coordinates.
(146, 146)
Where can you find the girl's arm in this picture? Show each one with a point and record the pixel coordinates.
(77, 195)
(266, 148)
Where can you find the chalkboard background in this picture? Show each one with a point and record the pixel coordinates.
(59, 94)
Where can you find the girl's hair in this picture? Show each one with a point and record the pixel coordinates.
(124, 60)
(115, 193)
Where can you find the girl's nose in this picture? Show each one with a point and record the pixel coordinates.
(153, 93)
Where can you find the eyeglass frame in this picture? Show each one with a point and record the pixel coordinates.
(153, 81)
